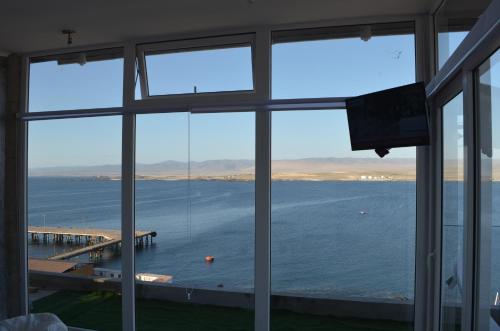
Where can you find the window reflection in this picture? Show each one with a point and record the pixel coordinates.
(453, 215)
(489, 235)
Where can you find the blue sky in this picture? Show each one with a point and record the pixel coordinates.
(344, 67)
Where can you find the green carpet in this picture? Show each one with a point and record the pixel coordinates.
(102, 311)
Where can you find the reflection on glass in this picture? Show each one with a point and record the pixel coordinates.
(324, 68)
(343, 227)
(195, 189)
(489, 234)
(200, 71)
(452, 23)
(76, 81)
(74, 220)
(448, 42)
(453, 215)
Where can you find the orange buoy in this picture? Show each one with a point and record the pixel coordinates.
(209, 259)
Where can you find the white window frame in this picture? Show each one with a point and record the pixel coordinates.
(458, 73)
(225, 42)
(452, 90)
(470, 52)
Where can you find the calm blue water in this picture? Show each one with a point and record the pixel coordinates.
(322, 245)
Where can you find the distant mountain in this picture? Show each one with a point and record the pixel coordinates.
(310, 168)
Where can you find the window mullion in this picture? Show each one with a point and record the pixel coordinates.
(262, 220)
(128, 194)
(128, 223)
(469, 200)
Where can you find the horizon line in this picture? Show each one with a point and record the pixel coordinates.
(214, 160)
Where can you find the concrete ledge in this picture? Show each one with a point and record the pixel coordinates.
(71, 282)
(363, 308)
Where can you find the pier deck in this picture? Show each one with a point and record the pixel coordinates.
(95, 239)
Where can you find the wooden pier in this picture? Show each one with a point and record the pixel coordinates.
(95, 240)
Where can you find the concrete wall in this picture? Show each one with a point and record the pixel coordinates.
(11, 277)
(363, 308)
(3, 246)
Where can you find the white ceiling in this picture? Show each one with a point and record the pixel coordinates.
(31, 25)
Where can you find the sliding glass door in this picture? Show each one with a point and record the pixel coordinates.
(195, 190)
(452, 232)
(488, 94)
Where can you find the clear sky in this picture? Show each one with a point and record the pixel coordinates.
(343, 67)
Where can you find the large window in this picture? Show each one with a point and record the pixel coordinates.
(489, 229)
(195, 189)
(200, 71)
(453, 214)
(343, 225)
(74, 220)
(339, 62)
(71, 81)
(343, 222)
(222, 64)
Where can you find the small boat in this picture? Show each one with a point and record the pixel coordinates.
(363, 212)
(209, 258)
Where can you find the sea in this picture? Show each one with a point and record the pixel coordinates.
(329, 239)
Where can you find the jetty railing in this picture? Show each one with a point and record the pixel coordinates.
(94, 240)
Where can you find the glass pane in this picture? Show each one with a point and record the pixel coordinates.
(74, 221)
(489, 233)
(195, 188)
(342, 67)
(453, 215)
(343, 228)
(448, 43)
(200, 71)
(75, 82)
(453, 21)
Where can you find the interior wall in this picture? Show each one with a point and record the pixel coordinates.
(3, 246)
(11, 268)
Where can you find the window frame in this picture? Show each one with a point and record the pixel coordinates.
(457, 74)
(474, 81)
(259, 101)
(467, 55)
(339, 32)
(451, 91)
(96, 54)
(180, 46)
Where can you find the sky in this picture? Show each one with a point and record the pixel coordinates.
(453, 129)
(327, 68)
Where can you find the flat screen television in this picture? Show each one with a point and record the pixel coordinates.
(396, 117)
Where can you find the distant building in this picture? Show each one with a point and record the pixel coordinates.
(144, 277)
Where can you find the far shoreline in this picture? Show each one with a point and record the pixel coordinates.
(245, 178)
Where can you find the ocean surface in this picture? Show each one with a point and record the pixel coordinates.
(329, 238)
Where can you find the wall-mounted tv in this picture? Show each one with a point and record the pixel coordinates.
(396, 117)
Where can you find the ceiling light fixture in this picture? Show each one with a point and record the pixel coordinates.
(69, 33)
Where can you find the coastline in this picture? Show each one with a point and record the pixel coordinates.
(279, 177)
